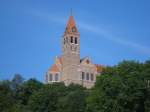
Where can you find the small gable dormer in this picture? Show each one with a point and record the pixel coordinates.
(86, 61)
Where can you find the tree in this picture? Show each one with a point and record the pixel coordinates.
(16, 82)
(23, 92)
(6, 99)
(120, 89)
(74, 100)
(146, 74)
(59, 98)
(46, 99)
(26, 90)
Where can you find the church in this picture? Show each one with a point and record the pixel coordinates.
(69, 68)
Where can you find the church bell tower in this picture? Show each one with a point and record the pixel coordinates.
(71, 53)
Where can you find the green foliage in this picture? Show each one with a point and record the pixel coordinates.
(26, 90)
(6, 99)
(121, 88)
(46, 99)
(16, 82)
(58, 98)
(14, 95)
(74, 100)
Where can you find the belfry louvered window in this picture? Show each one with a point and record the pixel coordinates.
(71, 40)
(76, 41)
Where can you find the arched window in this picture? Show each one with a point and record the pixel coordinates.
(92, 77)
(71, 40)
(50, 77)
(76, 40)
(64, 40)
(56, 77)
(87, 76)
(46, 77)
(82, 75)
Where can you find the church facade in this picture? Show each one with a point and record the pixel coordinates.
(69, 68)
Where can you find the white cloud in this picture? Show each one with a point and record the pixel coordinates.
(96, 30)
(105, 34)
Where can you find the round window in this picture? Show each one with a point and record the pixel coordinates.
(73, 29)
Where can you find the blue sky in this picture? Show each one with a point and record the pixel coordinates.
(31, 33)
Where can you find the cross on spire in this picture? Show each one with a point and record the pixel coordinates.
(71, 11)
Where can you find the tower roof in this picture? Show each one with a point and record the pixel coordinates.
(71, 26)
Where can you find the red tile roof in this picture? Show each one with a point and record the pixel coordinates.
(71, 24)
(54, 68)
(60, 59)
(99, 68)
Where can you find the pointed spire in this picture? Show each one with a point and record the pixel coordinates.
(71, 26)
